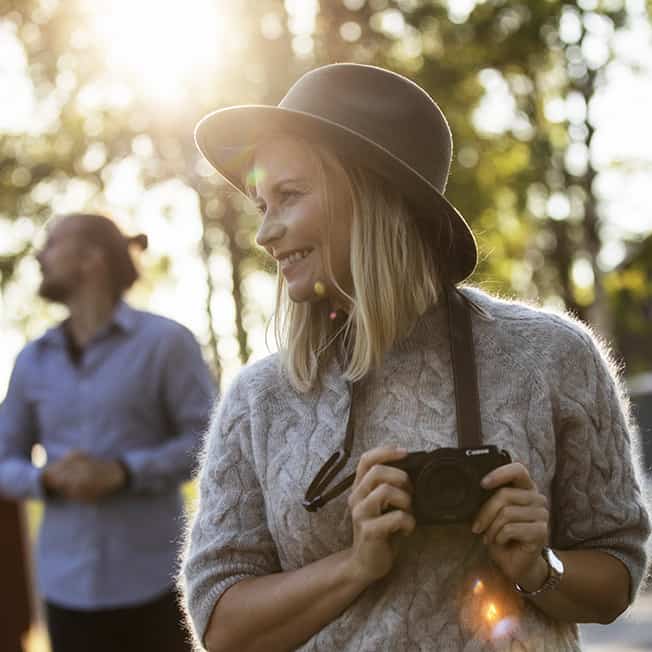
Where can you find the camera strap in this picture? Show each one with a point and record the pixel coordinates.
(467, 398)
(467, 403)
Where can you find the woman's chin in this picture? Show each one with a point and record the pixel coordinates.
(302, 294)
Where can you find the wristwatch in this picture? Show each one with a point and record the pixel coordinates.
(555, 573)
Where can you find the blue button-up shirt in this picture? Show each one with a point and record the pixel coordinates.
(142, 393)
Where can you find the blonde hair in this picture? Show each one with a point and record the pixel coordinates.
(396, 276)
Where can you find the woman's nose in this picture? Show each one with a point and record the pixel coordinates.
(270, 230)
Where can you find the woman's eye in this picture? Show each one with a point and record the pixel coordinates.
(261, 207)
(288, 195)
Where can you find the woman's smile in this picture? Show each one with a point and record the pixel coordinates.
(289, 262)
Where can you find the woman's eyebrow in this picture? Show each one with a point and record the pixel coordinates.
(253, 195)
(282, 182)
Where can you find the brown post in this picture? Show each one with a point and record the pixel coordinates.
(15, 594)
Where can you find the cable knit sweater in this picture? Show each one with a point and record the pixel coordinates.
(548, 396)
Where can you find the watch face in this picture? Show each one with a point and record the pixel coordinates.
(555, 563)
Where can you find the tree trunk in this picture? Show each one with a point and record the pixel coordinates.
(563, 261)
(236, 255)
(598, 312)
(15, 597)
(216, 363)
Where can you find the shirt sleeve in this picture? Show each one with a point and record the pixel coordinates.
(19, 478)
(228, 539)
(597, 488)
(187, 396)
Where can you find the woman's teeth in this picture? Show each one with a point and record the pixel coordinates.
(294, 257)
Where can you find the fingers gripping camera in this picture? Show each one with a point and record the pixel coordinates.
(447, 481)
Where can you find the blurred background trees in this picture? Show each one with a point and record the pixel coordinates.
(98, 101)
(549, 103)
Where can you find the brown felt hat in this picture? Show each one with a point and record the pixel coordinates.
(368, 115)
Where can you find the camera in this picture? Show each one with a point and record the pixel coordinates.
(446, 481)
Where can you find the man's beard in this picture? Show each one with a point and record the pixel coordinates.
(53, 291)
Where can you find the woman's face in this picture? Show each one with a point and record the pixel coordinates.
(295, 229)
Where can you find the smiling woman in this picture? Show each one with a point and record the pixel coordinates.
(351, 167)
(159, 46)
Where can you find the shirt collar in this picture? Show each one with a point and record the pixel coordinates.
(54, 336)
(124, 317)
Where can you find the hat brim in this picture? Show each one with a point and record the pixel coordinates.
(227, 138)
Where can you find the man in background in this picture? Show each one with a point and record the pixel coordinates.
(119, 399)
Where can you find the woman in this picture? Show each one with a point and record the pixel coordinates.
(348, 174)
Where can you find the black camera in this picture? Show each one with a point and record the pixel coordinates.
(447, 481)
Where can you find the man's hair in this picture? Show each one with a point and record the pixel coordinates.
(103, 232)
(396, 275)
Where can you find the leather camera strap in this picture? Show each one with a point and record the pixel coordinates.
(467, 403)
(467, 398)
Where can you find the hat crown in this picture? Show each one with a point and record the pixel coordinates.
(382, 106)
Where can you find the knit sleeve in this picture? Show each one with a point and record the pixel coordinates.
(228, 539)
(598, 502)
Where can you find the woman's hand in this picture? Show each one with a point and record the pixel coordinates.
(514, 525)
(381, 506)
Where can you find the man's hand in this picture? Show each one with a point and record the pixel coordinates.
(81, 477)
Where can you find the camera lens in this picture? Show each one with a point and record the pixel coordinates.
(447, 487)
(444, 491)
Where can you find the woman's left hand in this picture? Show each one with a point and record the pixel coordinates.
(514, 524)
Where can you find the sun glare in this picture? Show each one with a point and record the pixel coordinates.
(159, 45)
(491, 613)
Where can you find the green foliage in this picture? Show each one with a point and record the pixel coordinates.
(502, 178)
(630, 293)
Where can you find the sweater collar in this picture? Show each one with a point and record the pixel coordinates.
(430, 325)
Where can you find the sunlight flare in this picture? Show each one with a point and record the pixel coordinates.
(160, 46)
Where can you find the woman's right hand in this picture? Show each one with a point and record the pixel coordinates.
(381, 506)
(292, 606)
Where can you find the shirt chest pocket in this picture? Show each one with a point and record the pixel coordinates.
(57, 407)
